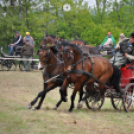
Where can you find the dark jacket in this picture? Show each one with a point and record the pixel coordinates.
(27, 50)
(18, 40)
(125, 47)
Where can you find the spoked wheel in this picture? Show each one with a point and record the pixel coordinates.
(21, 66)
(4, 66)
(7, 65)
(117, 103)
(14, 66)
(128, 99)
(94, 105)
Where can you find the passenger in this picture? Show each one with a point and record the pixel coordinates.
(27, 52)
(122, 55)
(131, 40)
(30, 38)
(122, 37)
(108, 42)
(17, 41)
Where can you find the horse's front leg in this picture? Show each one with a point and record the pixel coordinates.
(63, 91)
(76, 88)
(80, 98)
(35, 100)
(50, 87)
(60, 101)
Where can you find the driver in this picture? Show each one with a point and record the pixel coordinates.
(17, 41)
(122, 55)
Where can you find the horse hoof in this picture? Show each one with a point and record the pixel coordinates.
(79, 106)
(69, 111)
(64, 99)
(29, 106)
(54, 108)
(35, 108)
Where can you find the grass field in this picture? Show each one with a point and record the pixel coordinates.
(17, 89)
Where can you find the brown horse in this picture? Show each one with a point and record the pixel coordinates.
(86, 70)
(52, 39)
(53, 67)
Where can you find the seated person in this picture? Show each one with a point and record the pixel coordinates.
(122, 55)
(17, 41)
(122, 37)
(27, 52)
(108, 41)
(30, 39)
(130, 57)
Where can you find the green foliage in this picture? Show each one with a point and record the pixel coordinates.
(83, 22)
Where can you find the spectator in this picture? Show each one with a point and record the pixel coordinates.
(30, 39)
(17, 41)
(27, 52)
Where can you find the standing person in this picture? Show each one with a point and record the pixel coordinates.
(27, 52)
(31, 40)
(109, 40)
(17, 41)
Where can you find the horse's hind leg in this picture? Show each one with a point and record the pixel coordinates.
(89, 91)
(76, 88)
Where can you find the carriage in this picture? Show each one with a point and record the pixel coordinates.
(9, 63)
(118, 101)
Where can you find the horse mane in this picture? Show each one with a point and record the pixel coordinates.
(81, 40)
(54, 49)
(52, 36)
(76, 47)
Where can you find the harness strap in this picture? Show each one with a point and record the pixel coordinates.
(92, 64)
(89, 75)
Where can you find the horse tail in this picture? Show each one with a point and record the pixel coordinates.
(115, 79)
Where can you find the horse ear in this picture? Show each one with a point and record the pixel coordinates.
(38, 52)
(46, 34)
(57, 38)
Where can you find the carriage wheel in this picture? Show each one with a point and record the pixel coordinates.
(117, 103)
(4, 66)
(7, 65)
(21, 66)
(94, 105)
(13, 66)
(128, 99)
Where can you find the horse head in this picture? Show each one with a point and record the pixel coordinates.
(44, 56)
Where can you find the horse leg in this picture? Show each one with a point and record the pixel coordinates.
(80, 98)
(89, 91)
(60, 101)
(76, 88)
(43, 96)
(35, 100)
(63, 90)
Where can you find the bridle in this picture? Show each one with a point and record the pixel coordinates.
(48, 54)
(71, 56)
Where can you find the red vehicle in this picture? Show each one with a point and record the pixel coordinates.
(119, 101)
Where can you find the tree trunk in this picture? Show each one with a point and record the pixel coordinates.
(20, 10)
(26, 12)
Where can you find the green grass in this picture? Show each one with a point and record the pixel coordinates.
(17, 89)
